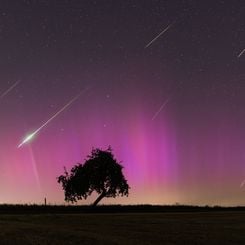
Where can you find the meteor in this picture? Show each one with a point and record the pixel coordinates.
(28, 138)
(9, 89)
(241, 53)
(32, 135)
(160, 109)
(154, 39)
(242, 184)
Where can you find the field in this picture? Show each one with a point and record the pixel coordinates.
(215, 227)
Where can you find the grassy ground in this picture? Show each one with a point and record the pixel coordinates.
(126, 228)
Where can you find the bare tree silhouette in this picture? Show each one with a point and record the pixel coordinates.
(100, 173)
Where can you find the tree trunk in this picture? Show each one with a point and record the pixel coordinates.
(102, 195)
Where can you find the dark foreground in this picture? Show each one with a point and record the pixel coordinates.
(216, 227)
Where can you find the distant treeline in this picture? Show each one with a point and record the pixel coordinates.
(68, 209)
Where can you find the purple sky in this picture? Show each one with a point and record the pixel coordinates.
(173, 111)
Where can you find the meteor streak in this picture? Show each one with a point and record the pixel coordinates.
(160, 109)
(32, 135)
(242, 184)
(9, 89)
(154, 39)
(241, 53)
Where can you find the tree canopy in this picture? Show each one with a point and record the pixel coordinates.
(100, 173)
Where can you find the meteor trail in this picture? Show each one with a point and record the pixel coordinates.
(242, 184)
(32, 135)
(241, 53)
(154, 39)
(9, 89)
(161, 107)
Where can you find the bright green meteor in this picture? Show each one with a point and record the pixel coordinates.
(27, 139)
(32, 135)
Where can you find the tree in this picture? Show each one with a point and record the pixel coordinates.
(100, 173)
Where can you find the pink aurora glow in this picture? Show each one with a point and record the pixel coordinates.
(162, 163)
(191, 152)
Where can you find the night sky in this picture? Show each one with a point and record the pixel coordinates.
(162, 82)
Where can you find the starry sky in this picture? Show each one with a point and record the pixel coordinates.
(162, 82)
